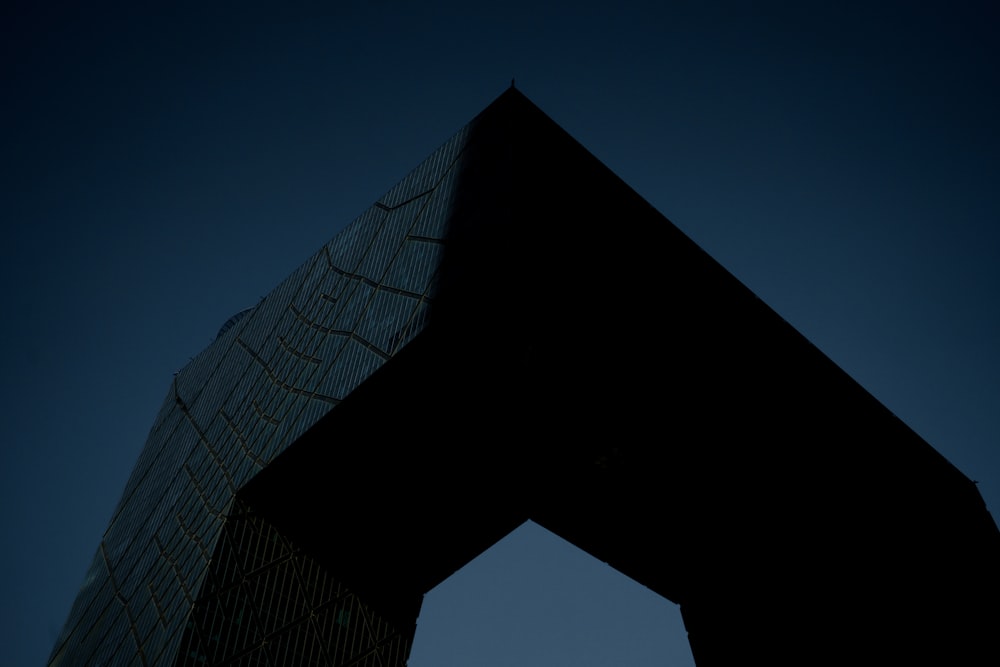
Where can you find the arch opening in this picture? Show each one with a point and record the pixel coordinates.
(535, 600)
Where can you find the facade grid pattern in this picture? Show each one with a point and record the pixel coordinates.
(265, 602)
(270, 375)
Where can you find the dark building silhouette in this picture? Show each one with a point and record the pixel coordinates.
(512, 333)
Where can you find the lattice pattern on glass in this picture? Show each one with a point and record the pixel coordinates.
(268, 603)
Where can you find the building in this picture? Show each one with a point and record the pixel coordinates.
(510, 333)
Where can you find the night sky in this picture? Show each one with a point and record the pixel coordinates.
(164, 169)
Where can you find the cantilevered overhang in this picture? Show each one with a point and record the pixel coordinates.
(585, 365)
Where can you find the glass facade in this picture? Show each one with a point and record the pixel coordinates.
(266, 602)
(512, 333)
(273, 371)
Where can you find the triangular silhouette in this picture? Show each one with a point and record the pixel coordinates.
(512, 333)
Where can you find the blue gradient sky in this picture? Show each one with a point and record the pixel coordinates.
(164, 169)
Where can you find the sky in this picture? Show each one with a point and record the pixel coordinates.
(166, 166)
